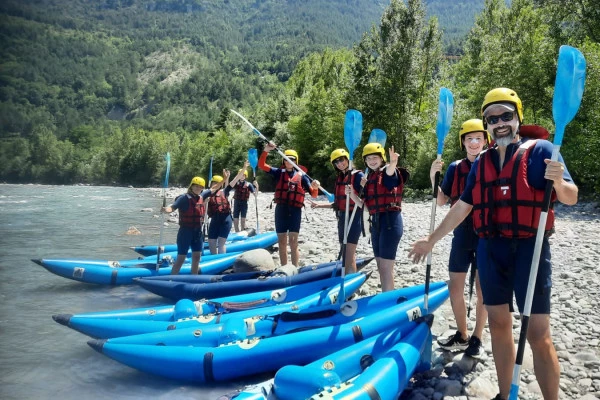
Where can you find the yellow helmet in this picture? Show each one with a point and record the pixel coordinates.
(502, 95)
(245, 172)
(217, 179)
(197, 181)
(470, 126)
(374, 148)
(292, 153)
(337, 153)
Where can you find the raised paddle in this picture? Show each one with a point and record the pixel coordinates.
(352, 136)
(568, 91)
(330, 197)
(444, 120)
(253, 160)
(164, 204)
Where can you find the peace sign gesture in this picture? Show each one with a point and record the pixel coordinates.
(393, 156)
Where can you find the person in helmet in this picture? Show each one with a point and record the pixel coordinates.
(505, 189)
(219, 210)
(472, 137)
(191, 208)
(290, 189)
(382, 191)
(241, 195)
(340, 160)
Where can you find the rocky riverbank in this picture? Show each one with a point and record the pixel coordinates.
(575, 318)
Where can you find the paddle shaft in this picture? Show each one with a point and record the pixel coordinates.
(431, 228)
(535, 261)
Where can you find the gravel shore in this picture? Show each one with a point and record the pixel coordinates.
(575, 318)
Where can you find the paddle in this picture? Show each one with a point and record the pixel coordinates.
(444, 120)
(352, 136)
(471, 283)
(330, 197)
(164, 204)
(253, 160)
(568, 91)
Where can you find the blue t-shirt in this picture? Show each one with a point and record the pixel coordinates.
(536, 167)
(448, 181)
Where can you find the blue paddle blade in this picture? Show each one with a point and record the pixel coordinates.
(253, 160)
(168, 160)
(210, 169)
(444, 119)
(378, 136)
(568, 88)
(330, 197)
(352, 131)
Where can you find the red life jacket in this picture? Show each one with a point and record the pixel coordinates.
(505, 204)
(193, 217)
(379, 198)
(342, 180)
(218, 203)
(463, 167)
(289, 190)
(242, 191)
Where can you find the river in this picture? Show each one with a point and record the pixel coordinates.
(41, 359)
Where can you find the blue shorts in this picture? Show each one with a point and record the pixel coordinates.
(354, 230)
(220, 226)
(287, 218)
(504, 265)
(189, 238)
(386, 231)
(464, 246)
(240, 207)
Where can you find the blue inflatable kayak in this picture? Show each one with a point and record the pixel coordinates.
(263, 325)
(102, 274)
(195, 291)
(151, 250)
(379, 367)
(315, 294)
(247, 357)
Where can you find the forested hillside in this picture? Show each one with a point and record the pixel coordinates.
(98, 91)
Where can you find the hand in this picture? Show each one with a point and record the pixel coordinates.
(246, 165)
(270, 146)
(226, 173)
(393, 156)
(312, 203)
(315, 184)
(166, 209)
(436, 166)
(348, 190)
(554, 170)
(363, 181)
(420, 249)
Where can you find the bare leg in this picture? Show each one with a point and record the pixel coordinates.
(545, 361)
(456, 287)
(295, 253)
(350, 258)
(178, 263)
(221, 242)
(282, 242)
(386, 273)
(236, 224)
(212, 245)
(243, 224)
(481, 315)
(503, 347)
(196, 262)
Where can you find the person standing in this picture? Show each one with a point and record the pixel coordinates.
(340, 160)
(191, 219)
(472, 138)
(382, 191)
(505, 189)
(291, 187)
(241, 195)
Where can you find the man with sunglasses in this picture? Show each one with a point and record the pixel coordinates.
(505, 189)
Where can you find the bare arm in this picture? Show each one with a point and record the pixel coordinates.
(455, 216)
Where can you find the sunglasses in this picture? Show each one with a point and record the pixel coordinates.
(339, 160)
(494, 119)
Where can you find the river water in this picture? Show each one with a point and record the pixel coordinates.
(40, 359)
